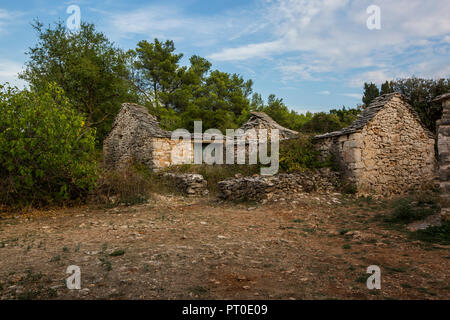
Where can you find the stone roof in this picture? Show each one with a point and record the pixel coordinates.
(145, 121)
(260, 120)
(368, 114)
(442, 97)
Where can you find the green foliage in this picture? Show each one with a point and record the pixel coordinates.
(46, 150)
(179, 95)
(300, 154)
(86, 65)
(420, 93)
(370, 93)
(310, 123)
(407, 210)
(439, 234)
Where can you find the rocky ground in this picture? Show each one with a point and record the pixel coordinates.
(306, 247)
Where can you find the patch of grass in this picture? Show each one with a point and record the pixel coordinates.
(362, 278)
(117, 253)
(406, 286)
(65, 249)
(412, 209)
(440, 235)
(55, 258)
(346, 246)
(198, 290)
(297, 221)
(395, 269)
(105, 263)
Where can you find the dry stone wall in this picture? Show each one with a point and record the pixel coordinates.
(444, 156)
(258, 188)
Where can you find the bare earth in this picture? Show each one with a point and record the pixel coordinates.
(177, 248)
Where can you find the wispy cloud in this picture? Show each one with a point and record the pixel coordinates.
(322, 36)
(353, 95)
(9, 71)
(325, 93)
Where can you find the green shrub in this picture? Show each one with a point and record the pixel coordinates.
(300, 154)
(407, 210)
(46, 151)
(439, 234)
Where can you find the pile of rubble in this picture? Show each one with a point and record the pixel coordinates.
(189, 184)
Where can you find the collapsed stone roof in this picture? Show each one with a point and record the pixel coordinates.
(260, 120)
(442, 97)
(369, 113)
(144, 120)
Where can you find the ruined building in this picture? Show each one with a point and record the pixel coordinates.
(386, 151)
(136, 137)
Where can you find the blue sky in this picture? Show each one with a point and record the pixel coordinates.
(315, 54)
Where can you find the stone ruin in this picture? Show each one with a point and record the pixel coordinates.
(443, 129)
(387, 151)
(260, 120)
(136, 137)
(188, 183)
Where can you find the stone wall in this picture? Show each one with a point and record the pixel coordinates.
(443, 129)
(258, 188)
(392, 154)
(398, 154)
(189, 184)
(166, 152)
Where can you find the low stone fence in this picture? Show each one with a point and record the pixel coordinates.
(189, 184)
(259, 188)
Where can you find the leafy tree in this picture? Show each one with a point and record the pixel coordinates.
(86, 65)
(387, 87)
(160, 74)
(346, 116)
(46, 149)
(322, 122)
(370, 93)
(421, 93)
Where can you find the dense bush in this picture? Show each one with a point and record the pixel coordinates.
(300, 154)
(46, 152)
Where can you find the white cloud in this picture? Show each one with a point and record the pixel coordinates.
(325, 93)
(353, 95)
(7, 18)
(330, 36)
(258, 50)
(9, 71)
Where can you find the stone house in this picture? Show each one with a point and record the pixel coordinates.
(136, 137)
(386, 151)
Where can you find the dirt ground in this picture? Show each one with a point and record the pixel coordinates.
(313, 247)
